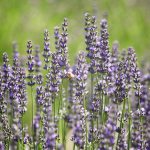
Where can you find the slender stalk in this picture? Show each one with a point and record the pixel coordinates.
(92, 134)
(59, 108)
(102, 106)
(64, 106)
(32, 116)
(123, 112)
(22, 132)
(18, 145)
(8, 140)
(41, 126)
(86, 139)
(7, 145)
(54, 109)
(117, 122)
(74, 146)
(92, 85)
(98, 113)
(141, 121)
(59, 104)
(64, 138)
(121, 121)
(129, 126)
(62, 131)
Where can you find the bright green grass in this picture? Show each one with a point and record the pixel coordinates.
(23, 20)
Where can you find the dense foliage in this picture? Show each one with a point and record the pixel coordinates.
(101, 102)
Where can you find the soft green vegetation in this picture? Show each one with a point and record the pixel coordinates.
(22, 20)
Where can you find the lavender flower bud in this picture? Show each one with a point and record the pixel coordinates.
(30, 64)
(38, 63)
(46, 53)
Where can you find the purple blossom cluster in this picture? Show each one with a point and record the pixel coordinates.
(101, 102)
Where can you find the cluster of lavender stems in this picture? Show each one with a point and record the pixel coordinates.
(101, 102)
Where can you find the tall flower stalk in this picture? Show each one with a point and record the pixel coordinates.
(31, 82)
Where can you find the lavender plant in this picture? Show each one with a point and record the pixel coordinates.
(101, 102)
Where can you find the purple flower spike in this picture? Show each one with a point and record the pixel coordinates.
(46, 53)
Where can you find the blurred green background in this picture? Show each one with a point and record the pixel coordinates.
(22, 20)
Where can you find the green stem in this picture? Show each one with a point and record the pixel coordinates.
(86, 139)
(62, 131)
(60, 107)
(141, 121)
(98, 113)
(92, 84)
(41, 126)
(74, 146)
(64, 138)
(7, 144)
(32, 117)
(122, 116)
(54, 109)
(129, 125)
(102, 106)
(59, 103)
(17, 145)
(22, 133)
(117, 122)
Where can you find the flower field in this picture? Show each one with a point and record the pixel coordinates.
(101, 102)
